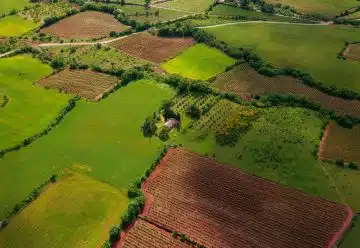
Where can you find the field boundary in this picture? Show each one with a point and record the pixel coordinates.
(323, 140)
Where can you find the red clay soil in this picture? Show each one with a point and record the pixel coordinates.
(219, 206)
(323, 140)
(152, 48)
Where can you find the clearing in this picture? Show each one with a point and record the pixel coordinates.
(219, 206)
(152, 48)
(246, 82)
(76, 211)
(343, 143)
(15, 26)
(102, 139)
(30, 109)
(353, 52)
(198, 62)
(84, 83)
(88, 24)
(276, 42)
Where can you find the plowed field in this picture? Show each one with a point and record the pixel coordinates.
(353, 52)
(219, 206)
(245, 81)
(145, 235)
(84, 83)
(342, 143)
(152, 48)
(89, 24)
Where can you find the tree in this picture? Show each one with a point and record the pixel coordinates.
(147, 3)
(194, 112)
(114, 234)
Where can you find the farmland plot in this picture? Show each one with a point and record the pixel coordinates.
(353, 52)
(8, 5)
(343, 143)
(88, 24)
(84, 83)
(190, 6)
(15, 26)
(152, 48)
(245, 81)
(218, 206)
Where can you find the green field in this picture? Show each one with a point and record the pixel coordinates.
(8, 5)
(301, 47)
(40, 11)
(327, 7)
(30, 108)
(76, 211)
(198, 62)
(15, 26)
(187, 5)
(102, 139)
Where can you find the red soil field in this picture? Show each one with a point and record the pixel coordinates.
(342, 143)
(152, 48)
(145, 235)
(219, 206)
(245, 81)
(84, 83)
(88, 24)
(353, 52)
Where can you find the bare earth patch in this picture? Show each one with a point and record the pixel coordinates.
(88, 24)
(152, 48)
(84, 83)
(353, 52)
(245, 81)
(219, 206)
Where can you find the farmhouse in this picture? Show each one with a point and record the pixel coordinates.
(172, 123)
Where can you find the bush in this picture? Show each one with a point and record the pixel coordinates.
(340, 162)
(194, 112)
(164, 134)
(353, 165)
(114, 234)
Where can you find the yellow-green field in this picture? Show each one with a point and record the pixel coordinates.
(8, 5)
(76, 211)
(15, 26)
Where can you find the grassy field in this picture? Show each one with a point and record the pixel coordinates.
(8, 5)
(198, 62)
(15, 26)
(102, 139)
(187, 5)
(138, 13)
(60, 219)
(327, 7)
(276, 43)
(104, 57)
(30, 108)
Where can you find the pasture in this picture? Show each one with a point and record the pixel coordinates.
(85, 83)
(29, 109)
(276, 42)
(15, 26)
(246, 82)
(186, 5)
(76, 211)
(102, 139)
(88, 24)
(8, 5)
(150, 47)
(198, 62)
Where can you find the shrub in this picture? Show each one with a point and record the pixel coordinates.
(340, 162)
(353, 165)
(114, 234)
(193, 111)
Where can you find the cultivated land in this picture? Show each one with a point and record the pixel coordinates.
(88, 24)
(101, 139)
(343, 143)
(15, 26)
(276, 42)
(327, 7)
(246, 82)
(190, 64)
(84, 83)
(353, 52)
(8, 5)
(241, 211)
(76, 211)
(29, 109)
(152, 48)
(186, 5)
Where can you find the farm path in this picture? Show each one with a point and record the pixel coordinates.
(270, 22)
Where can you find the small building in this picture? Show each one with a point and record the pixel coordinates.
(172, 123)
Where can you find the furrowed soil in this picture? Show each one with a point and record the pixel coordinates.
(88, 24)
(342, 143)
(84, 83)
(219, 206)
(245, 81)
(152, 48)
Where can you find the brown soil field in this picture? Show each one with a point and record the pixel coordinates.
(353, 52)
(152, 48)
(88, 24)
(145, 235)
(219, 206)
(84, 83)
(342, 143)
(244, 81)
